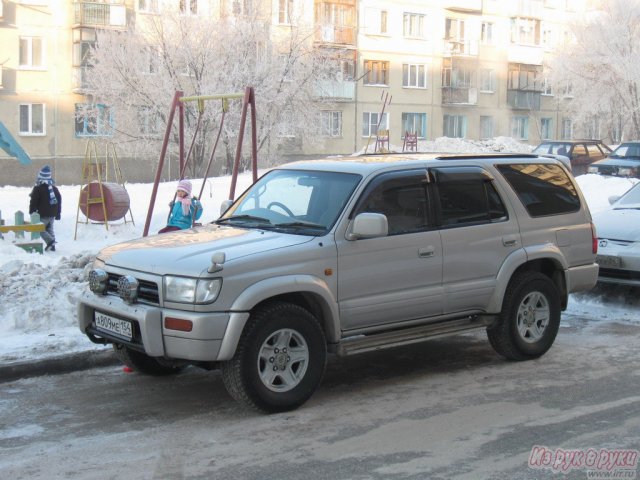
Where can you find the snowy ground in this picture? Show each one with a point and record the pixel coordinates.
(37, 292)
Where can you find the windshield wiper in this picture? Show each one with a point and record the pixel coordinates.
(301, 225)
(249, 218)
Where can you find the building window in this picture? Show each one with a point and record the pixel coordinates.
(414, 76)
(152, 61)
(93, 120)
(520, 127)
(525, 31)
(487, 80)
(370, 123)
(592, 128)
(486, 127)
(383, 21)
(486, 34)
(546, 87)
(331, 124)
(285, 8)
(567, 89)
(32, 119)
(377, 72)
(454, 29)
(189, 7)
(460, 76)
(375, 21)
(454, 126)
(149, 121)
(31, 52)
(415, 123)
(148, 6)
(567, 129)
(546, 131)
(413, 25)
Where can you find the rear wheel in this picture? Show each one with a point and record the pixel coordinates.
(280, 359)
(530, 317)
(144, 363)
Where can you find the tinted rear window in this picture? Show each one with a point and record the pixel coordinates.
(542, 189)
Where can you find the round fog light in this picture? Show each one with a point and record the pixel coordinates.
(128, 288)
(98, 281)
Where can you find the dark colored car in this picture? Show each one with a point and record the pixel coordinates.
(581, 153)
(624, 161)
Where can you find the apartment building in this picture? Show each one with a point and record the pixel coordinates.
(457, 68)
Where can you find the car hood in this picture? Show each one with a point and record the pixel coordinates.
(188, 252)
(618, 224)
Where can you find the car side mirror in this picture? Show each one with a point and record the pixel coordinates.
(224, 206)
(613, 199)
(368, 225)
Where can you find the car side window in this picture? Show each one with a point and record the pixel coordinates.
(594, 150)
(469, 202)
(579, 150)
(542, 189)
(402, 199)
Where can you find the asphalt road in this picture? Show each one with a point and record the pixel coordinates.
(446, 409)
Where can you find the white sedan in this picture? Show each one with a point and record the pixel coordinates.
(618, 229)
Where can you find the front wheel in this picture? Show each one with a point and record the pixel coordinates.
(530, 317)
(280, 359)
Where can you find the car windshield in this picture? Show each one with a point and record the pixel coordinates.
(554, 148)
(296, 201)
(627, 150)
(631, 199)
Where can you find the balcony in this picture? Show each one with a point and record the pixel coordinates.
(464, 5)
(529, 54)
(465, 48)
(337, 34)
(79, 80)
(100, 14)
(459, 96)
(337, 90)
(524, 99)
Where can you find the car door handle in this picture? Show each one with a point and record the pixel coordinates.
(509, 241)
(426, 252)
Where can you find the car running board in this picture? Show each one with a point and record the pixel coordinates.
(388, 339)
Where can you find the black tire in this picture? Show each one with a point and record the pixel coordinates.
(142, 363)
(530, 317)
(262, 374)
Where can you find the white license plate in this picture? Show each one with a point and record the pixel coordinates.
(608, 261)
(116, 326)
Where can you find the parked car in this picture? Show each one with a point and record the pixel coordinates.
(618, 229)
(349, 256)
(581, 153)
(624, 161)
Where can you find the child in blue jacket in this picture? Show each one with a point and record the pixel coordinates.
(185, 210)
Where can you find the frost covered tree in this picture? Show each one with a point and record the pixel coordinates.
(598, 71)
(136, 73)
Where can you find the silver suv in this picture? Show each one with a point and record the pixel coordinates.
(346, 256)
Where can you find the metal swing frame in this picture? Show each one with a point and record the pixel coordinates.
(178, 104)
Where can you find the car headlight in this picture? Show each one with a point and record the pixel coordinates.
(624, 172)
(592, 170)
(191, 290)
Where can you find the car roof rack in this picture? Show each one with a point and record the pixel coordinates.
(477, 156)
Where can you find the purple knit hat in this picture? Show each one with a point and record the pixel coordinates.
(185, 186)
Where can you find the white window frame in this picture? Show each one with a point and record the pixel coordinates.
(417, 71)
(30, 120)
(370, 120)
(331, 123)
(413, 25)
(148, 6)
(151, 64)
(546, 128)
(547, 89)
(456, 123)
(486, 33)
(455, 30)
(185, 7)
(149, 121)
(484, 121)
(567, 129)
(284, 12)
(29, 62)
(526, 31)
(487, 80)
(413, 116)
(369, 72)
(520, 127)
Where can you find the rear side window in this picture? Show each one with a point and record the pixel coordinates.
(542, 189)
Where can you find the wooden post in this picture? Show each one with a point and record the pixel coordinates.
(19, 220)
(35, 218)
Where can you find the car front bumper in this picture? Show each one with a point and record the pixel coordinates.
(619, 263)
